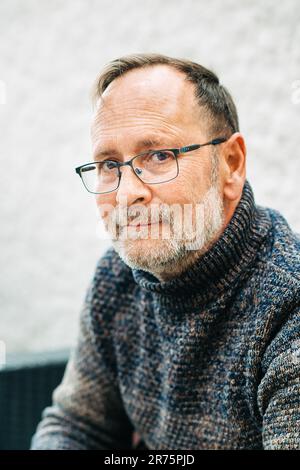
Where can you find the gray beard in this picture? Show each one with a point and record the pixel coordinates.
(166, 258)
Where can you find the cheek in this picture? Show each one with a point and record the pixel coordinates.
(192, 181)
(168, 193)
(105, 205)
(194, 170)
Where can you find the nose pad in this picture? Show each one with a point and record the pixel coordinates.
(138, 171)
(131, 188)
(135, 171)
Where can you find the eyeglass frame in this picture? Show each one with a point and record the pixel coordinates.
(176, 152)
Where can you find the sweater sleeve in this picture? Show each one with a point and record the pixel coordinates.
(279, 390)
(87, 410)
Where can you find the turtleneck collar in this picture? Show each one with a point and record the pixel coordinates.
(220, 266)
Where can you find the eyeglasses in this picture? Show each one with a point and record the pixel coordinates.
(151, 167)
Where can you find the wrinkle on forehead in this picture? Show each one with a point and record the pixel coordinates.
(129, 111)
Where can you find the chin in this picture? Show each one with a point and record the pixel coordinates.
(149, 255)
(141, 253)
(139, 247)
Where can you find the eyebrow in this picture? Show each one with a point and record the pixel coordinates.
(141, 144)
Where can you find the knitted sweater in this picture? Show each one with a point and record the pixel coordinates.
(207, 360)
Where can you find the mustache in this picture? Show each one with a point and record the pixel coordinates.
(140, 215)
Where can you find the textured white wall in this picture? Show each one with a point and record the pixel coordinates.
(50, 53)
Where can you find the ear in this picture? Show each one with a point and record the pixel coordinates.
(234, 161)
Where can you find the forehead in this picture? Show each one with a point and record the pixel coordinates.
(156, 98)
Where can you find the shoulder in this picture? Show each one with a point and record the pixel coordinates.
(279, 290)
(111, 282)
(282, 260)
(111, 269)
(274, 285)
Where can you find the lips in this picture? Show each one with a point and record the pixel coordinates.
(138, 225)
(141, 225)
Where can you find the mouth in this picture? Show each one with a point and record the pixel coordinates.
(137, 229)
(142, 225)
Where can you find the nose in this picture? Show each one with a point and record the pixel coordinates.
(131, 189)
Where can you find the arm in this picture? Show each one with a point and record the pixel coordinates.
(279, 391)
(87, 410)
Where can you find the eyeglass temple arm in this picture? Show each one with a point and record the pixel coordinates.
(189, 148)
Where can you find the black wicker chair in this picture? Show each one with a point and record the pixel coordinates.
(26, 385)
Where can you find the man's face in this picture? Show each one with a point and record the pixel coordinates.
(155, 108)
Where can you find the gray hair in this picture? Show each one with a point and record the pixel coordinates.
(213, 97)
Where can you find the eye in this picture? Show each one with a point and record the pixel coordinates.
(109, 165)
(161, 156)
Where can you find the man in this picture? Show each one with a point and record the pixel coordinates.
(189, 334)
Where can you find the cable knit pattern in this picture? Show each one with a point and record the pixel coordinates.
(208, 360)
